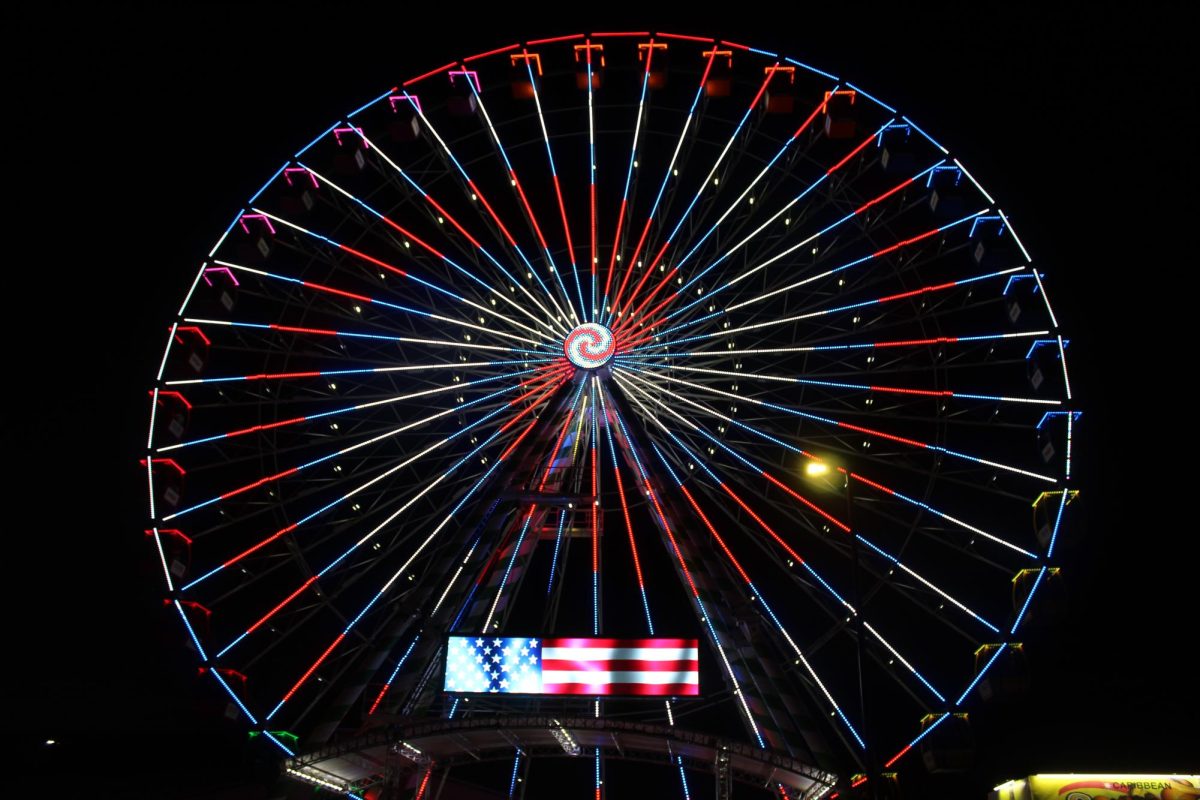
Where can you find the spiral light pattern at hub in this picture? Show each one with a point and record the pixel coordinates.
(590, 346)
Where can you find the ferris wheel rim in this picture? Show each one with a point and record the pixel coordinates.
(634, 361)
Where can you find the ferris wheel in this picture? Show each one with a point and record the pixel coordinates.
(620, 336)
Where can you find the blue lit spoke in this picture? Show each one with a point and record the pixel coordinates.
(557, 188)
(834, 423)
(471, 188)
(515, 181)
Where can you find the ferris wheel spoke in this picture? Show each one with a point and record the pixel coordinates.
(791, 249)
(380, 593)
(757, 178)
(553, 174)
(473, 189)
(869, 482)
(649, 490)
(598, 313)
(758, 518)
(395, 270)
(337, 373)
(375, 262)
(550, 462)
(811, 506)
(580, 418)
(920, 237)
(515, 181)
(562, 208)
(864, 387)
(837, 523)
(936, 340)
(611, 309)
(695, 458)
(796, 651)
(843, 424)
(467, 345)
(633, 549)
(591, 126)
(443, 213)
(552, 376)
(691, 205)
(774, 292)
(802, 452)
(926, 582)
(414, 312)
(698, 429)
(545, 391)
(593, 447)
(453, 387)
(728, 331)
(629, 316)
(354, 572)
(331, 565)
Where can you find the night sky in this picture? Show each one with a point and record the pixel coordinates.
(135, 134)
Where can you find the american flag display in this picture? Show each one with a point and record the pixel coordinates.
(572, 666)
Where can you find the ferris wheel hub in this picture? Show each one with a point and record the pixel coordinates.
(590, 345)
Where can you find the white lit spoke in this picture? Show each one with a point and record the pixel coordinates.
(380, 593)
(491, 290)
(298, 330)
(649, 491)
(793, 248)
(883, 553)
(633, 550)
(830, 272)
(846, 425)
(349, 449)
(515, 181)
(331, 565)
(591, 109)
(333, 373)
(858, 386)
(316, 287)
(621, 378)
(289, 529)
(756, 351)
(742, 198)
(623, 209)
(537, 100)
(728, 331)
(668, 173)
(495, 292)
(550, 461)
(471, 188)
(325, 415)
(840, 600)
(374, 261)
(671, 237)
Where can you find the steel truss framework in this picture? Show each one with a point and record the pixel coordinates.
(373, 424)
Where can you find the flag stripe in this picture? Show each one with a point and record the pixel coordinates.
(616, 676)
(632, 665)
(647, 643)
(644, 689)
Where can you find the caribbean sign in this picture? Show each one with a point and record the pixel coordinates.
(1100, 787)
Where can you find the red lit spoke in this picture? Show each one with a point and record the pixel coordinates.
(671, 272)
(615, 304)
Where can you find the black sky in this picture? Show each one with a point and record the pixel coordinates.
(134, 134)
